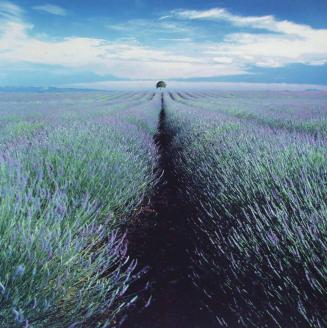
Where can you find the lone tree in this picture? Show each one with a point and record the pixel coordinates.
(161, 84)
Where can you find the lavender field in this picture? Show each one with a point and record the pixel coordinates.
(163, 209)
(73, 169)
(256, 178)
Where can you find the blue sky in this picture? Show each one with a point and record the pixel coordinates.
(81, 41)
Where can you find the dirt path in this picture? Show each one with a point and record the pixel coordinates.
(160, 239)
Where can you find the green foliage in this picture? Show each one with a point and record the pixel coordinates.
(161, 84)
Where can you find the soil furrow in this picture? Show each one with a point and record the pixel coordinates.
(160, 239)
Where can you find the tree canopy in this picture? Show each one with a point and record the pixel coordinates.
(161, 84)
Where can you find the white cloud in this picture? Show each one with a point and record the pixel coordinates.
(215, 13)
(125, 59)
(151, 27)
(285, 42)
(269, 22)
(51, 9)
(176, 39)
(128, 59)
(271, 50)
(9, 11)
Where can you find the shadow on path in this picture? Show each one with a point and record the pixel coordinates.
(160, 239)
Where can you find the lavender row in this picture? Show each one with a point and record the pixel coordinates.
(40, 110)
(294, 111)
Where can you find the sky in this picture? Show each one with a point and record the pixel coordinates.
(74, 42)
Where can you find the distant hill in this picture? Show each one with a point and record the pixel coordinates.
(44, 90)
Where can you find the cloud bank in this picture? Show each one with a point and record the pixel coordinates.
(278, 43)
(283, 43)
